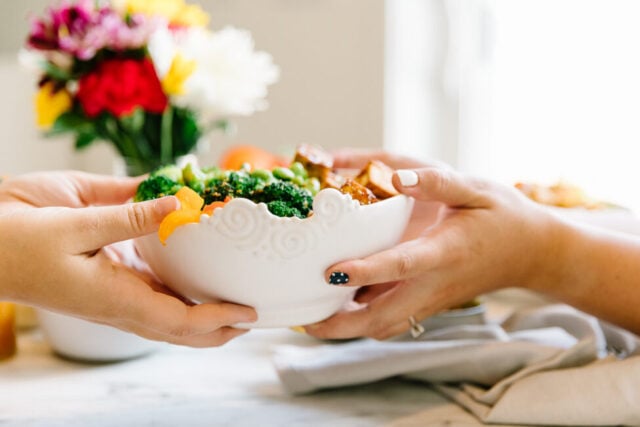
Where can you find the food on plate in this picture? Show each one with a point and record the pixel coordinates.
(376, 176)
(561, 194)
(358, 192)
(191, 207)
(287, 191)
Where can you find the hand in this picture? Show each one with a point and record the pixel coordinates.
(425, 212)
(486, 237)
(56, 229)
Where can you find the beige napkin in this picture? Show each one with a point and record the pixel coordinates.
(549, 366)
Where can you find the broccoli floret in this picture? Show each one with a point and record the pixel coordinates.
(172, 172)
(236, 184)
(156, 186)
(280, 208)
(289, 194)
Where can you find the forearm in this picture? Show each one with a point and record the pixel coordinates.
(595, 270)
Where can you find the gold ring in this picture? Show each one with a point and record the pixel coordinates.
(416, 328)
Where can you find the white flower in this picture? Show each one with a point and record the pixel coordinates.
(33, 60)
(230, 76)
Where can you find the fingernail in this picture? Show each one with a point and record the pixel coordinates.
(407, 177)
(166, 205)
(249, 318)
(298, 329)
(338, 278)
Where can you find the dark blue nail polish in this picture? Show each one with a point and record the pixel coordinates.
(338, 278)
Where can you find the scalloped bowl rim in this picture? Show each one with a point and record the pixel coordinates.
(290, 254)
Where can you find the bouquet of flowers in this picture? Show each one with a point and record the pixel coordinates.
(145, 75)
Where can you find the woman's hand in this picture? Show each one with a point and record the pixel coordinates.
(468, 237)
(55, 253)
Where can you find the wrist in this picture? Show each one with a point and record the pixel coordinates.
(549, 255)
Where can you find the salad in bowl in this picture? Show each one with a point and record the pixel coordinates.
(264, 237)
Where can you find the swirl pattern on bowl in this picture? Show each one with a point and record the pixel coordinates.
(246, 255)
(249, 225)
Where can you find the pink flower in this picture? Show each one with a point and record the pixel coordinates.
(83, 28)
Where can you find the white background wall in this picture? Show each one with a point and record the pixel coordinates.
(520, 90)
(331, 90)
(562, 97)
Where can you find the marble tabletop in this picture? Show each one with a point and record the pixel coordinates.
(233, 385)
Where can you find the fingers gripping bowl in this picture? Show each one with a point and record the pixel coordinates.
(246, 255)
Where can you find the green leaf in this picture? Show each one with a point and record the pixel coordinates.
(83, 140)
(72, 121)
(134, 122)
(56, 72)
(111, 126)
(186, 131)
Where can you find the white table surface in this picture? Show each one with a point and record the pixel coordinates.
(233, 385)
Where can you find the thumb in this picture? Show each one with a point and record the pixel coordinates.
(440, 185)
(96, 227)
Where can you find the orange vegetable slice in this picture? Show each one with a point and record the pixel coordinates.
(208, 209)
(174, 220)
(190, 205)
(212, 206)
(189, 199)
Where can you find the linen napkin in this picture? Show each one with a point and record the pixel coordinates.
(551, 365)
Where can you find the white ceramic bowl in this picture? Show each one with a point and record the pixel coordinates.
(87, 341)
(246, 255)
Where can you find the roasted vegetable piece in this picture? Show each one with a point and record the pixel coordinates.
(376, 176)
(317, 162)
(358, 192)
(333, 180)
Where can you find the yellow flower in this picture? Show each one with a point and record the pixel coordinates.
(191, 15)
(180, 70)
(177, 12)
(50, 105)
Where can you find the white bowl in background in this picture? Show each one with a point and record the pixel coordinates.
(246, 255)
(81, 340)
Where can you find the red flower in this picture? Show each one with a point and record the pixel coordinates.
(118, 86)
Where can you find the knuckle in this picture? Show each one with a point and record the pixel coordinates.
(181, 330)
(404, 264)
(137, 217)
(441, 180)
